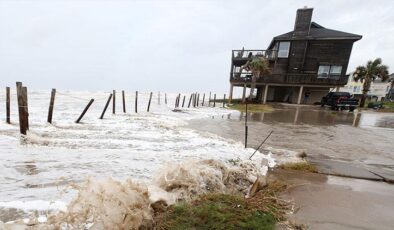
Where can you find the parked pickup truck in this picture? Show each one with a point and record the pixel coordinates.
(339, 100)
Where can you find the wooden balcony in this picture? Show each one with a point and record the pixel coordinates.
(240, 57)
(289, 79)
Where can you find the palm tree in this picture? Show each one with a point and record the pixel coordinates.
(368, 73)
(258, 66)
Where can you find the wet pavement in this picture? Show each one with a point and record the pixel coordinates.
(330, 202)
(338, 142)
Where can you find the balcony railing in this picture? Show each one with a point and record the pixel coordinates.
(289, 79)
(248, 54)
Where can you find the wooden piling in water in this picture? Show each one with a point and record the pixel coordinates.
(25, 106)
(203, 99)
(179, 100)
(158, 98)
(176, 101)
(21, 115)
(106, 106)
(209, 100)
(84, 111)
(190, 100)
(183, 102)
(224, 100)
(51, 104)
(136, 102)
(194, 99)
(198, 99)
(113, 101)
(124, 102)
(8, 112)
(165, 98)
(150, 99)
(214, 100)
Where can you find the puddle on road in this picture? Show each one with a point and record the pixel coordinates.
(317, 116)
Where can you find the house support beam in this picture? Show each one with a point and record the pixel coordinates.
(300, 95)
(265, 94)
(230, 96)
(244, 93)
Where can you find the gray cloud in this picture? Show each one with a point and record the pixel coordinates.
(164, 45)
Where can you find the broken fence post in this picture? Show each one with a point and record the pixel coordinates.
(198, 99)
(84, 111)
(203, 99)
(150, 98)
(8, 113)
(106, 106)
(136, 101)
(51, 104)
(183, 102)
(113, 101)
(165, 98)
(209, 100)
(124, 102)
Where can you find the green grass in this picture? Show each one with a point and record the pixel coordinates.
(253, 108)
(388, 106)
(299, 166)
(216, 211)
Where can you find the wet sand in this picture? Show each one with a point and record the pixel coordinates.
(355, 145)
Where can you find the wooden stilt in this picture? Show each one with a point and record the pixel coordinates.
(113, 101)
(51, 103)
(136, 102)
(8, 112)
(25, 106)
(84, 111)
(190, 100)
(124, 102)
(22, 126)
(106, 106)
(150, 99)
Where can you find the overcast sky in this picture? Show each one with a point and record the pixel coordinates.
(164, 45)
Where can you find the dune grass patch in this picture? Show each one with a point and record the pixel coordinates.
(299, 166)
(253, 108)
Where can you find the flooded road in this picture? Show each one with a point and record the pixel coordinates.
(362, 138)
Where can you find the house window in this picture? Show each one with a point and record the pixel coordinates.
(284, 48)
(336, 70)
(329, 71)
(324, 71)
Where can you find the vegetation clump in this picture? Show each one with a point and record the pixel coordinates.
(223, 211)
(299, 166)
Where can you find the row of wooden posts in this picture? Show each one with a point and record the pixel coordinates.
(23, 112)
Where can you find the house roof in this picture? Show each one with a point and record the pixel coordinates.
(317, 32)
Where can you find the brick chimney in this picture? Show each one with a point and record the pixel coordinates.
(303, 22)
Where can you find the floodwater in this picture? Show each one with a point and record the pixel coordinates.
(316, 116)
(36, 172)
(359, 137)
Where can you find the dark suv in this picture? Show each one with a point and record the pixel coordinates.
(339, 100)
